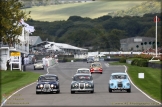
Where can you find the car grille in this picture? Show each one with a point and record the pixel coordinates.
(46, 86)
(120, 84)
(81, 85)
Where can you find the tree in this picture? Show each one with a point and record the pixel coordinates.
(10, 16)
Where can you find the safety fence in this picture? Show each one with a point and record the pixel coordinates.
(50, 61)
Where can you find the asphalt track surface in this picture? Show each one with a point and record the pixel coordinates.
(100, 97)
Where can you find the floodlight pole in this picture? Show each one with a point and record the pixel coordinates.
(156, 36)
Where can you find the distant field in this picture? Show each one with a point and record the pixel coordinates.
(85, 9)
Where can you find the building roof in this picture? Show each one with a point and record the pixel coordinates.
(33, 39)
(60, 45)
(136, 39)
(67, 46)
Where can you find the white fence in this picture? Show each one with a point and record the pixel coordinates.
(50, 61)
(110, 53)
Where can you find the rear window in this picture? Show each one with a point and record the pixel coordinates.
(48, 78)
(96, 65)
(82, 78)
(83, 71)
(119, 76)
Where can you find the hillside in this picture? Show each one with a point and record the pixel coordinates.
(93, 9)
(153, 6)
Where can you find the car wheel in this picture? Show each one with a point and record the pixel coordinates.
(92, 91)
(100, 72)
(110, 90)
(34, 68)
(58, 91)
(37, 92)
(129, 90)
(72, 92)
(91, 72)
(43, 68)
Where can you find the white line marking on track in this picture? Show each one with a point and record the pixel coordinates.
(107, 64)
(15, 93)
(23, 88)
(139, 89)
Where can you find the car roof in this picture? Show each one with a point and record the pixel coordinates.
(119, 73)
(82, 74)
(49, 75)
(83, 68)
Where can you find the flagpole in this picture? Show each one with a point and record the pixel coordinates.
(156, 36)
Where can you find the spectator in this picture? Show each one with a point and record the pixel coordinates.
(44, 60)
(8, 64)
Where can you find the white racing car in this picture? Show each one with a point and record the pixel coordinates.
(38, 65)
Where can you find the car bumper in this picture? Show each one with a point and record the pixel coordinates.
(96, 71)
(47, 90)
(119, 88)
(82, 90)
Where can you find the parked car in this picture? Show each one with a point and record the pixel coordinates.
(90, 60)
(83, 70)
(38, 65)
(48, 83)
(82, 83)
(96, 67)
(119, 81)
(101, 59)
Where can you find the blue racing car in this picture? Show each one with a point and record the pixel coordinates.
(119, 81)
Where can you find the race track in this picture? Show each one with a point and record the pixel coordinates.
(100, 97)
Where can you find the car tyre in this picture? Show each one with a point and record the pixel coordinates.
(37, 92)
(72, 92)
(92, 91)
(43, 68)
(58, 91)
(110, 90)
(129, 90)
(34, 68)
(100, 72)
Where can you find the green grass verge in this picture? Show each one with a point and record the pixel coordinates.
(14, 80)
(151, 84)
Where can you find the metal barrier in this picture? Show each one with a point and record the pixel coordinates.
(50, 61)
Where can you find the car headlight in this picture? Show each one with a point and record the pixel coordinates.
(128, 84)
(52, 85)
(111, 84)
(76, 85)
(41, 85)
(86, 84)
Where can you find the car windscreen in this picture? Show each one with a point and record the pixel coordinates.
(48, 78)
(82, 78)
(83, 71)
(119, 76)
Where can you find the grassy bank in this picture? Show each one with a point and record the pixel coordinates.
(151, 84)
(14, 80)
(86, 9)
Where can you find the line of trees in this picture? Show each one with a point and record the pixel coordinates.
(10, 16)
(103, 33)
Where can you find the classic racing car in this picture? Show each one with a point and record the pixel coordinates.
(96, 67)
(82, 83)
(83, 70)
(48, 83)
(119, 81)
(38, 65)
